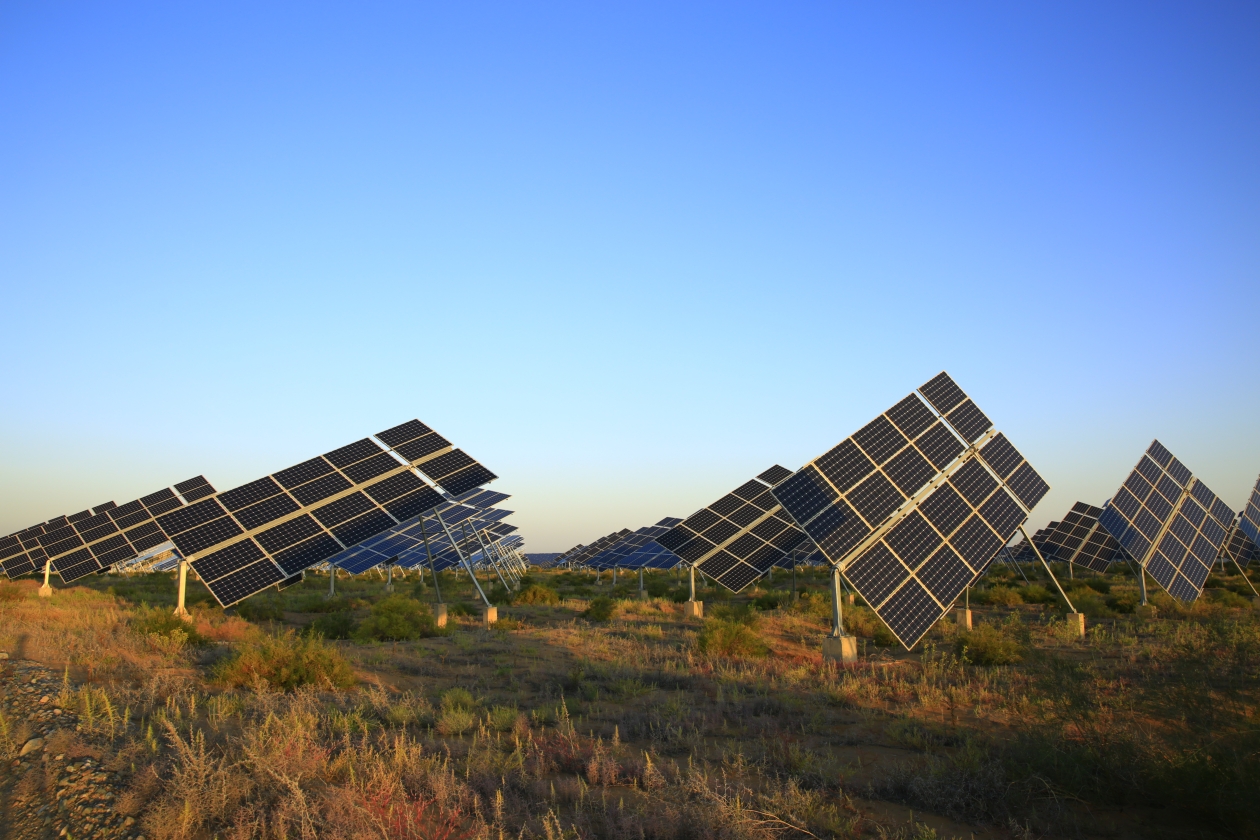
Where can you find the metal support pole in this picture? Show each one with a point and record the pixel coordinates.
(45, 591)
(640, 579)
(967, 599)
(485, 552)
(183, 585)
(463, 559)
(332, 581)
(692, 569)
(1037, 551)
(424, 535)
(837, 616)
(389, 575)
(794, 597)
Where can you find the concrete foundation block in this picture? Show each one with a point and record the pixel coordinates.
(45, 591)
(439, 615)
(964, 618)
(1077, 622)
(489, 615)
(643, 596)
(842, 649)
(848, 599)
(693, 609)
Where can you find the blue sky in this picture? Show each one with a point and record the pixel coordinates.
(626, 255)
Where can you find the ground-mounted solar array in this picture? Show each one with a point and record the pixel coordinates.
(1169, 521)
(93, 540)
(1079, 539)
(914, 506)
(738, 538)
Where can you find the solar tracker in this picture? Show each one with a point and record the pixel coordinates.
(1079, 539)
(1169, 521)
(93, 541)
(914, 506)
(739, 537)
(647, 553)
(1239, 548)
(246, 539)
(1249, 519)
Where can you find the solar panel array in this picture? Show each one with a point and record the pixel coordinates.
(739, 537)
(911, 511)
(636, 550)
(1249, 519)
(405, 544)
(1079, 539)
(94, 540)
(1169, 521)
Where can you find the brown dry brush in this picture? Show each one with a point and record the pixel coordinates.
(312, 764)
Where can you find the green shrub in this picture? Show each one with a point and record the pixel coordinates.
(397, 618)
(600, 609)
(1226, 598)
(458, 698)
(1001, 596)
(456, 721)
(152, 621)
(337, 625)
(461, 608)
(772, 600)
(729, 638)
(314, 602)
(266, 608)
(1091, 604)
(861, 621)
(1035, 593)
(1098, 584)
(503, 718)
(987, 645)
(814, 604)
(537, 594)
(1123, 602)
(737, 613)
(658, 587)
(285, 662)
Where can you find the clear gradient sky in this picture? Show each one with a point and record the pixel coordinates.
(628, 255)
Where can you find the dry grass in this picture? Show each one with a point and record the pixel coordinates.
(646, 725)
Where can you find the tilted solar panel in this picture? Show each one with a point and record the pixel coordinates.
(1169, 521)
(1079, 539)
(1249, 519)
(1239, 547)
(739, 537)
(910, 513)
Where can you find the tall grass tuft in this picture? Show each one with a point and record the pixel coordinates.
(285, 662)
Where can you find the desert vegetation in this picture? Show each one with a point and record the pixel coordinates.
(588, 712)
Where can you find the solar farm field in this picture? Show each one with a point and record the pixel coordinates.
(588, 712)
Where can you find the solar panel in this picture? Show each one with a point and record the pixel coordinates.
(1169, 521)
(1079, 539)
(739, 537)
(1239, 547)
(1249, 520)
(910, 513)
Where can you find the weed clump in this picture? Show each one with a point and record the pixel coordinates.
(730, 638)
(600, 609)
(1037, 594)
(336, 625)
(1000, 596)
(987, 645)
(166, 629)
(286, 662)
(261, 609)
(537, 594)
(458, 713)
(397, 618)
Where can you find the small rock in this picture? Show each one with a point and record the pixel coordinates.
(45, 700)
(30, 746)
(3, 655)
